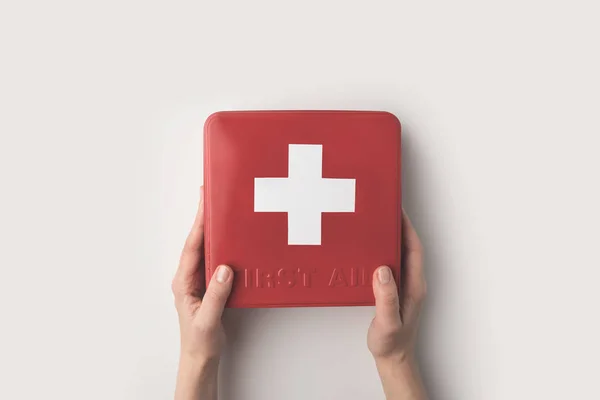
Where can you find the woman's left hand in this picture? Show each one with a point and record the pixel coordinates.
(202, 334)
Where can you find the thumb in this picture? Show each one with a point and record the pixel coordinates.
(216, 296)
(387, 303)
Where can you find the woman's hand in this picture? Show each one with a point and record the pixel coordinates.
(202, 335)
(393, 332)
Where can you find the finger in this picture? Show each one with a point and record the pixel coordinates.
(191, 255)
(410, 238)
(387, 305)
(414, 290)
(216, 296)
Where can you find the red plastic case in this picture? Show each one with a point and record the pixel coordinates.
(334, 269)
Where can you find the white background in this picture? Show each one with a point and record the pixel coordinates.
(101, 111)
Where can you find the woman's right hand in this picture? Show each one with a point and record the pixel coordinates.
(393, 332)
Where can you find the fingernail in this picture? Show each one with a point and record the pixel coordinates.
(222, 274)
(384, 274)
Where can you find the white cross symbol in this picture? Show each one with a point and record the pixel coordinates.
(304, 194)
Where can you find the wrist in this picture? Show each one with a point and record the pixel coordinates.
(200, 367)
(400, 377)
(197, 378)
(398, 365)
(401, 358)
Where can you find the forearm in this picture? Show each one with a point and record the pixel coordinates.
(401, 379)
(197, 380)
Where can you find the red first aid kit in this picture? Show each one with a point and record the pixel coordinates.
(302, 205)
